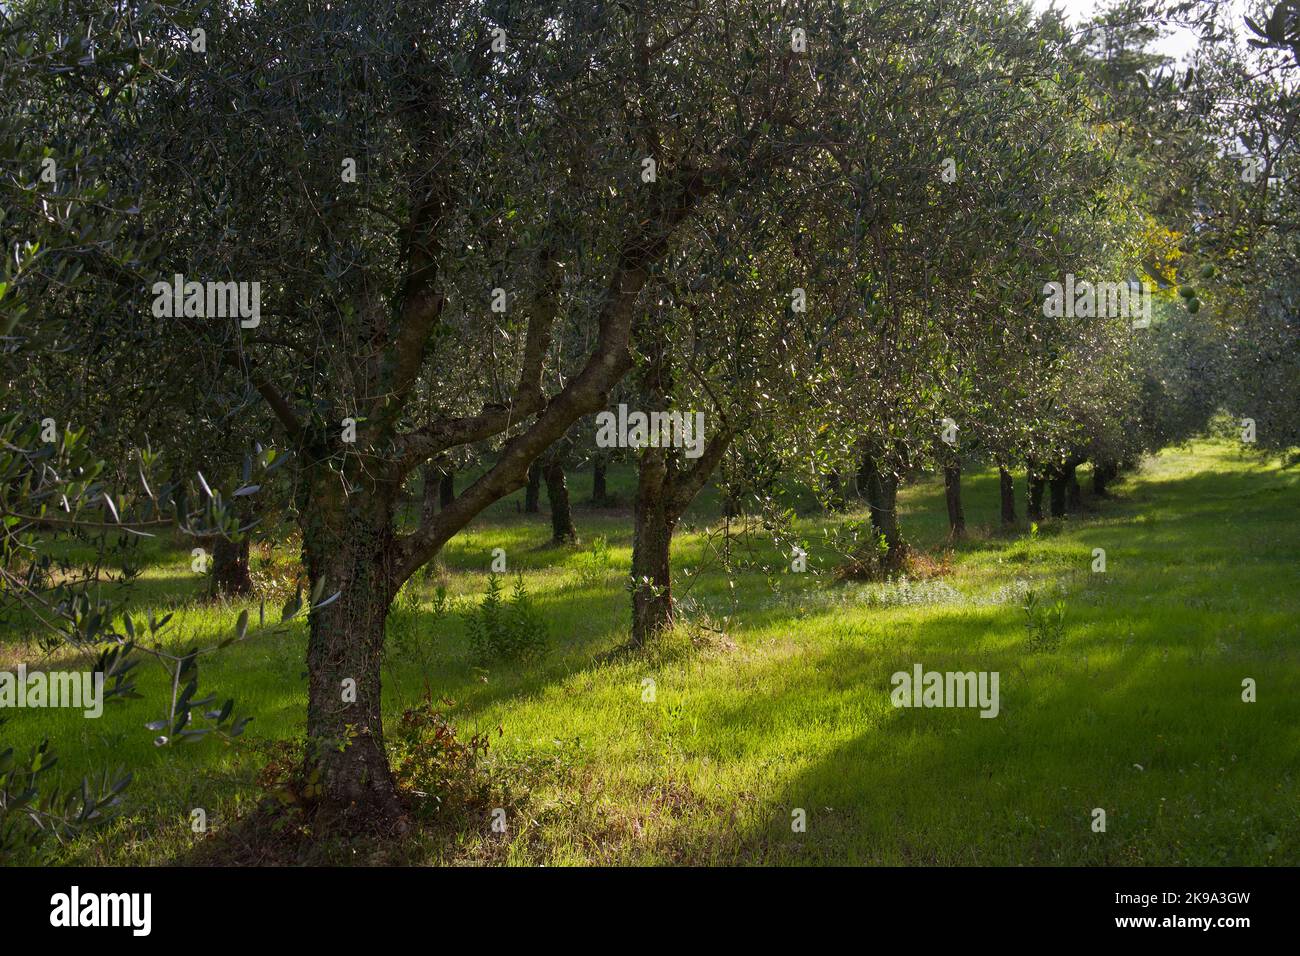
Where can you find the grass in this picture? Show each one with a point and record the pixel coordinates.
(773, 696)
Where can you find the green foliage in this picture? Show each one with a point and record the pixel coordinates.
(506, 629)
(1044, 624)
(411, 630)
(791, 706)
(442, 774)
(30, 812)
(594, 564)
(63, 525)
(873, 559)
(777, 169)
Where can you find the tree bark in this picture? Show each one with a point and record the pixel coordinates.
(952, 492)
(1037, 484)
(869, 486)
(884, 518)
(432, 484)
(1102, 473)
(533, 490)
(880, 486)
(349, 544)
(599, 496)
(1073, 494)
(447, 488)
(230, 576)
(1007, 486)
(652, 596)
(557, 493)
(1058, 483)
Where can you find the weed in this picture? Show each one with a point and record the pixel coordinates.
(506, 629)
(1045, 626)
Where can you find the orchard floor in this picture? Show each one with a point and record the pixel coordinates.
(775, 697)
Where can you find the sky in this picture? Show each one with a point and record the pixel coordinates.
(1178, 44)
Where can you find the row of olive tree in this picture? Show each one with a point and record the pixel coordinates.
(460, 228)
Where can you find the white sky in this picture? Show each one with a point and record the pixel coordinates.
(1178, 44)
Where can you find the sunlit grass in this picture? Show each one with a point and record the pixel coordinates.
(771, 700)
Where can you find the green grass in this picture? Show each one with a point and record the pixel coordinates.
(774, 698)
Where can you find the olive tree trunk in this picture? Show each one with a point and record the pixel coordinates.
(348, 548)
(230, 576)
(1058, 487)
(879, 485)
(664, 491)
(952, 492)
(1007, 488)
(533, 490)
(1102, 474)
(1034, 493)
(557, 493)
(652, 538)
(884, 517)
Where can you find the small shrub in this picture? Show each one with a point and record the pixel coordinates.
(411, 628)
(508, 630)
(284, 776)
(275, 571)
(442, 776)
(438, 775)
(1045, 626)
(594, 564)
(874, 560)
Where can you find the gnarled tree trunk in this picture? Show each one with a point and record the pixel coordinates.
(652, 596)
(349, 543)
(599, 496)
(1007, 489)
(533, 490)
(230, 568)
(1034, 492)
(557, 493)
(952, 492)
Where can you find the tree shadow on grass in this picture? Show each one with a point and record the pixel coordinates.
(1148, 678)
(1185, 770)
